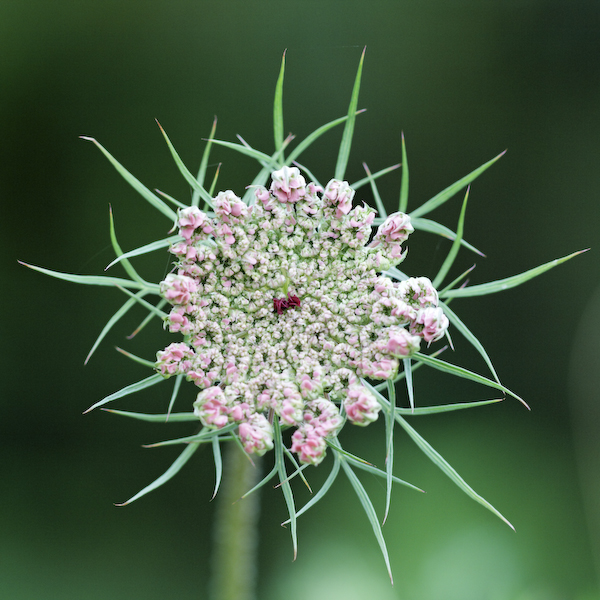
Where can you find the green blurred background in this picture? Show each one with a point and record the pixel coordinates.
(464, 80)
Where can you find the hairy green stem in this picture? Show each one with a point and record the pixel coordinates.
(235, 544)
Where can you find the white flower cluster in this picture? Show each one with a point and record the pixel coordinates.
(283, 311)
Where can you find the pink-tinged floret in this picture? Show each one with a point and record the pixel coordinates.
(177, 289)
(229, 207)
(431, 323)
(323, 415)
(185, 250)
(399, 343)
(418, 292)
(256, 434)
(379, 369)
(290, 410)
(339, 195)
(192, 219)
(211, 407)
(321, 419)
(179, 321)
(226, 233)
(267, 201)
(395, 229)
(361, 405)
(311, 387)
(288, 185)
(309, 445)
(174, 359)
(240, 412)
(361, 218)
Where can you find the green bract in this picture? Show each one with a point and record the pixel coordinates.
(286, 466)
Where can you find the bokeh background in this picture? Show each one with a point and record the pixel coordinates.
(464, 80)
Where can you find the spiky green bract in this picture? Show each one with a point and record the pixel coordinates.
(173, 417)
(437, 459)
(370, 512)
(315, 135)
(372, 176)
(114, 319)
(203, 165)
(505, 284)
(128, 389)
(453, 189)
(285, 484)
(460, 326)
(96, 279)
(409, 386)
(205, 435)
(149, 307)
(124, 261)
(389, 453)
(298, 469)
(168, 474)
(278, 108)
(457, 371)
(421, 224)
(137, 359)
(346, 144)
(447, 264)
(216, 448)
(376, 196)
(135, 183)
(174, 395)
(193, 182)
(146, 249)
(285, 467)
(403, 201)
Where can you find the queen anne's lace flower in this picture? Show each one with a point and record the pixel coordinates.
(283, 311)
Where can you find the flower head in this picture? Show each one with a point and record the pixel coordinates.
(283, 308)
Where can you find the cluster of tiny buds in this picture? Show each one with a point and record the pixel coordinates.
(284, 309)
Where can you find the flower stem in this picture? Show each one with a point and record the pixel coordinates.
(235, 543)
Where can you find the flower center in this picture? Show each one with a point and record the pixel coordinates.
(281, 304)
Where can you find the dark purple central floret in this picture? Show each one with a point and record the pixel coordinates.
(281, 304)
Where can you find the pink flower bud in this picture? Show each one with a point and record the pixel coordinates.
(178, 320)
(224, 231)
(323, 415)
(174, 359)
(314, 189)
(288, 185)
(211, 407)
(262, 193)
(360, 218)
(400, 343)
(431, 323)
(267, 201)
(191, 219)
(230, 208)
(309, 445)
(256, 434)
(240, 412)
(380, 369)
(339, 194)
(395, 229)
(418, 292)
(290, 410)
(177, 289)
(361, 405)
